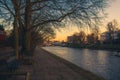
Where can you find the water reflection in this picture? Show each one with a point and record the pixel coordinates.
(87, 59)
(102, 63)
(101, 56)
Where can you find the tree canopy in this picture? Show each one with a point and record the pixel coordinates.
(32, 16)
(55, 11)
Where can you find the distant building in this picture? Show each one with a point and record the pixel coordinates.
(73, 39)
(115, 35)
(76, 38)
(106, 36)
(70, 39)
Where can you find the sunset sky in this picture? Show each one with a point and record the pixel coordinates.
(113, 12)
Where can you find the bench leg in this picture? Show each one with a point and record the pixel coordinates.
(27, 76)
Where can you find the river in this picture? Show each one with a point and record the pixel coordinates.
(100, 62)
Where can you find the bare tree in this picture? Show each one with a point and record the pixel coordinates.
(96, 32)
(82, 37)
(15, 24)
(90, 38)
(112, 27)
(9, 11)
(36, 13)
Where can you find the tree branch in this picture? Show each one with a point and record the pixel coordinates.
(52, 20)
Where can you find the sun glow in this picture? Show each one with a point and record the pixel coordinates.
(113, 13)
(64, 32)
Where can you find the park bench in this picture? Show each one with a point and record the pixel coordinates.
(9, 64)
(8, 68)
(14, 75)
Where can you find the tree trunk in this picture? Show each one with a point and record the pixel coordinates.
(16, 38)
(16, 31)
(28, 42)
(28, 26)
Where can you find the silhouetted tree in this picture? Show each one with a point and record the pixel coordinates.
(82, 37)
(118, 37)
(2, 27)
(96, 33)
(112, 28)
(91, 38)
(31, 14)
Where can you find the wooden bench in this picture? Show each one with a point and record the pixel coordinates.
(9, 64)
(5, 76)
(8, 68)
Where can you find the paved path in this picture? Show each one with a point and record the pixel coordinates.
(46, 67)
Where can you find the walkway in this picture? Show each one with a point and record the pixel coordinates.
(47, 67)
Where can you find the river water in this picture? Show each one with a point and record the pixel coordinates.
(102, 63)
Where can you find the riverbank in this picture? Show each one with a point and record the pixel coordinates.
(79, 71)
(47, 66)
(109, 47)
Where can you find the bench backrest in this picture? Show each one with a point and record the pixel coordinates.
(10, 59)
